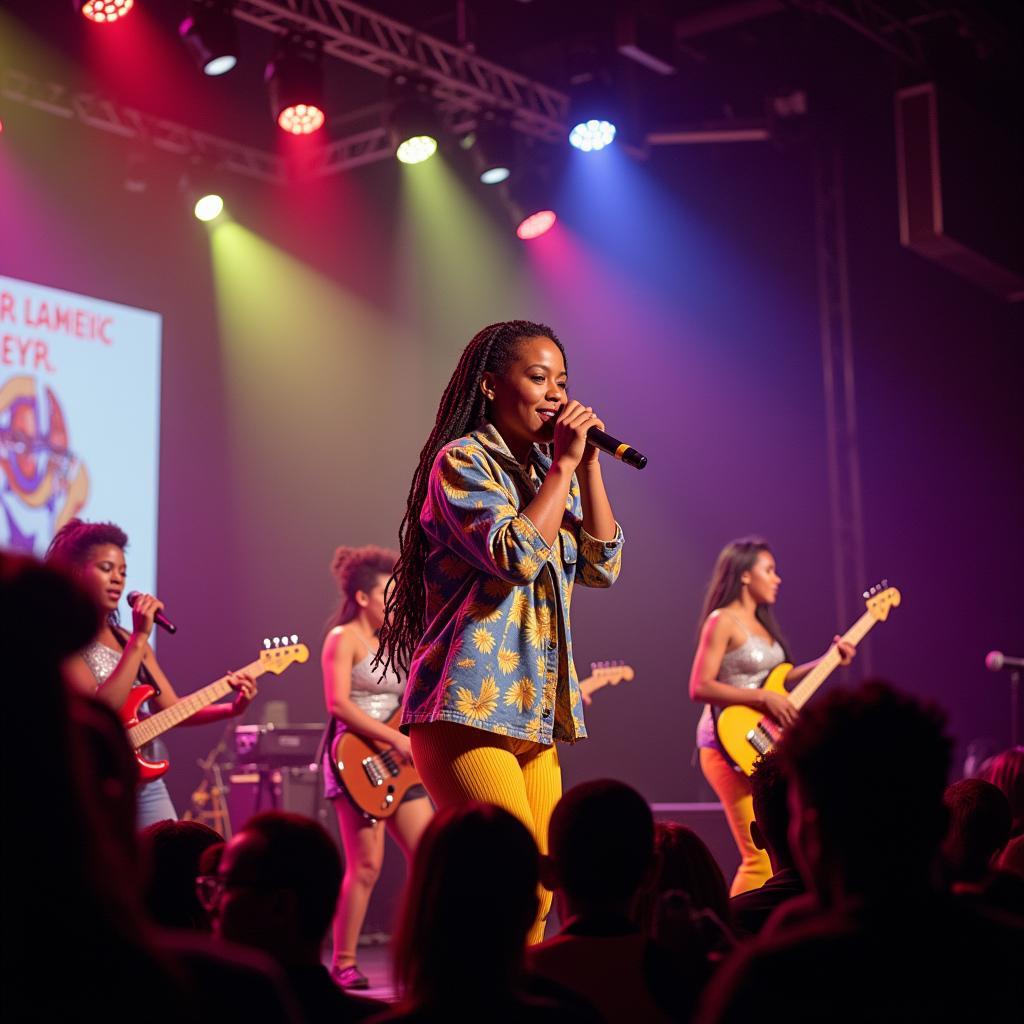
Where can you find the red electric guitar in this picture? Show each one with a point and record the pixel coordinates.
(271, 659)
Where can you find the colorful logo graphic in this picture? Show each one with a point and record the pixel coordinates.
(43, 483)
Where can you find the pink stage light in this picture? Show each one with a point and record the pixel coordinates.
(103, 12)
(536, 224)
(301, 119)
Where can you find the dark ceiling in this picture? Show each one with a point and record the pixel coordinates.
(729, 56)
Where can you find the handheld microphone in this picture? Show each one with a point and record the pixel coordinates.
(613, 446)
(996, 660)
(160, 619)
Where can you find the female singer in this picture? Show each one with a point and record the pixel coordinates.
(740, 643)
(362, 700)
(495, 534)
(117, 660)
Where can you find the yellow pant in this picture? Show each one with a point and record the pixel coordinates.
(459, 763)
(733, 789)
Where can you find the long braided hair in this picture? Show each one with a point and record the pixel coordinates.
(463, 408)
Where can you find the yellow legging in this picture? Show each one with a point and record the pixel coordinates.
(733, 789)
(459, 763)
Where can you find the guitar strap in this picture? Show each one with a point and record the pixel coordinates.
(145, 676)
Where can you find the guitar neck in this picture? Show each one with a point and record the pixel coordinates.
(805, 689)
(162, 721)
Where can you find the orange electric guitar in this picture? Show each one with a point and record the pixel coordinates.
(376, 779)
(746, 733)
(604, 673)
(271, 659)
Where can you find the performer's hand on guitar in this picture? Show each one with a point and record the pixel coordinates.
(847, 652)
(246, 687)
(402, 746)
(143, 613)
(779, 707)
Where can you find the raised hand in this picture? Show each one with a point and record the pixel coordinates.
(570, 440)
(143, 613)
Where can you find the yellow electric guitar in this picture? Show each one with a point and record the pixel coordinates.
(746, 733)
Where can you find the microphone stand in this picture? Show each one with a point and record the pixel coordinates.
(211, 788)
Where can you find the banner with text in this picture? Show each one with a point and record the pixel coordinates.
(79, 420)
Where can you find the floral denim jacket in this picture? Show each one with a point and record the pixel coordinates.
(497, 651)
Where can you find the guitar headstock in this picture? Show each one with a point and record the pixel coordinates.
(281, 651)
(610, 673)
(880, 598)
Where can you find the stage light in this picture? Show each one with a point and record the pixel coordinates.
(294, 79)
(536, 224)
(528, 198)
(417, 149)
(412, 121)
(592, 135)
(593, 103)
(210, 35)
(103, 12)
(493, 149)
(208, 207)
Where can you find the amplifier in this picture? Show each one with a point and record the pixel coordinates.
(277, 745)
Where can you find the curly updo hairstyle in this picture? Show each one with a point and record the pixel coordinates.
(356, 569)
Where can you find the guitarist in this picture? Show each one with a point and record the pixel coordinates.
(363, 699)
(117, 660)
(740, 643)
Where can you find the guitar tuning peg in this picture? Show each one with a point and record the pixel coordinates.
(885, 583)
(295, 638)
(266, 642)
(277, 641)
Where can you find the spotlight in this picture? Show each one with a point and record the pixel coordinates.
(209, 33)
(201, 192)
(493, 149)
(208, 207)
(536, 224)
(592, 104)
(412, 122)
(593, 135)
(294, 78)
(103, 12)
(528, 203)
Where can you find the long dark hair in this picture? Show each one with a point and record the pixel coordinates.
(356, 569)
(436, 917)
(736, 558)
(463, 408)
(72, 543)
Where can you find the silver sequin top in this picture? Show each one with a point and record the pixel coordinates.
(747, 666)
(375, 693)
(102, 660)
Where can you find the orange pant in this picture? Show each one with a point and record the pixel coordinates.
(459, 763)
(733, 789)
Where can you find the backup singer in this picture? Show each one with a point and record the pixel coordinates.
(116, 660)
(362, 699)
(740, 643)
(496, 532)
